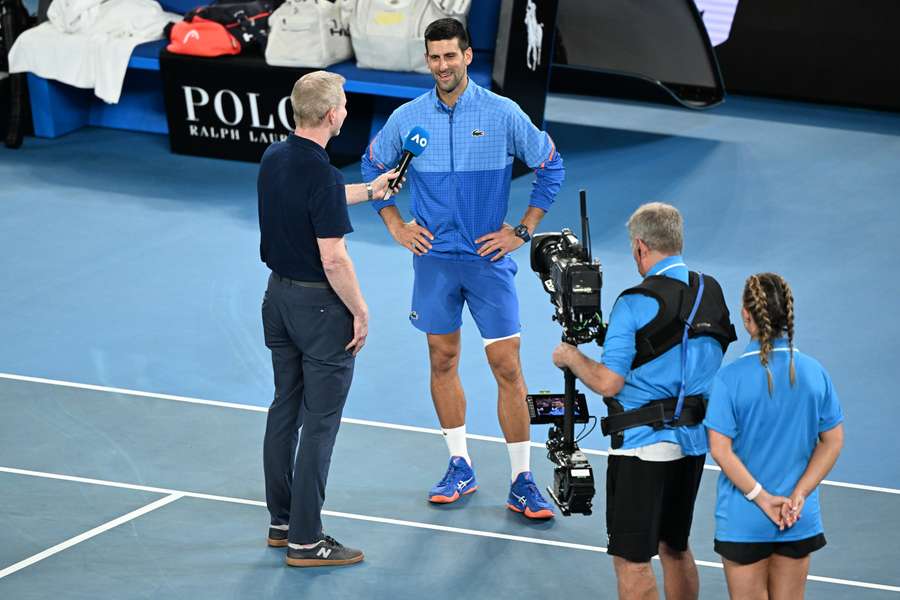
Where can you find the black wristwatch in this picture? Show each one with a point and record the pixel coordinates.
(522, 232)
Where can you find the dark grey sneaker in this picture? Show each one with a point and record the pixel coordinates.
(277, 538)
(328, 552)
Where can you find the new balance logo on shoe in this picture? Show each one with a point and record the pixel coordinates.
(327, 552)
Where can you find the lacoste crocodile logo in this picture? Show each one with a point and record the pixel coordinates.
(477, 133)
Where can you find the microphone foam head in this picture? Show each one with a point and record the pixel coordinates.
(416, 141)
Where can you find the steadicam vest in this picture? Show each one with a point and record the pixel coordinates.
(676, 302)
(676, 299)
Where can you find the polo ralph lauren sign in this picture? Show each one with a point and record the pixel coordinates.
(234, 107)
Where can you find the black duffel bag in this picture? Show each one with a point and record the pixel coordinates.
(248, 22)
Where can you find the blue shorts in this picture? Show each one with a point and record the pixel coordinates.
(442, 285)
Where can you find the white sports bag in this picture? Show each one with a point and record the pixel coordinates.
(308, 33)
(390, 34)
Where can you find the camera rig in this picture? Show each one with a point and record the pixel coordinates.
(573, 279)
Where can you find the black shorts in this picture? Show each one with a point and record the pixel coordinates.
(747, 553)
(649, 502)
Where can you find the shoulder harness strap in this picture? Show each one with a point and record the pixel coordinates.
(676, 299)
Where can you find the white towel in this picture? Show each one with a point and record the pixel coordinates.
(96, 55)
(73, 15)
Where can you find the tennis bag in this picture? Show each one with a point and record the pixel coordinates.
(308, 33)
(390, 34)
(201, 37)
(209, 30)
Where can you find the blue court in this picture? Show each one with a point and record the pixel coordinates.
(135, 380)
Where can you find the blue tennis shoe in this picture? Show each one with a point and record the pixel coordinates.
(526, 498)
(458, 481)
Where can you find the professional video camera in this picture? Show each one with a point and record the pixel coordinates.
(573, 279)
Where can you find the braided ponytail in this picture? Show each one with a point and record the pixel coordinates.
(758, 308)
(789, 323)
(770, 302)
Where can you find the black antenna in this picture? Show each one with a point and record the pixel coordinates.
(585, 226)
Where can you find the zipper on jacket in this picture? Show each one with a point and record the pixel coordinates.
(458, 242)
(452, 169)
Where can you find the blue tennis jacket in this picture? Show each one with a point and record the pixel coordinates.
(459, 186)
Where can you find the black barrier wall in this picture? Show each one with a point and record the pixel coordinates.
(652, 48)
(822, 50)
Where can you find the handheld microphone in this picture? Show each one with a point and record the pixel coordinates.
(414, 144)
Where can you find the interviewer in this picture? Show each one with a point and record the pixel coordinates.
(314, 316)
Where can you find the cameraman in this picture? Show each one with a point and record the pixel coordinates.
(655, 463)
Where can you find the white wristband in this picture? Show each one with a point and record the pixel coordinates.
(752, 494)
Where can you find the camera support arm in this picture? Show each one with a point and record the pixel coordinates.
(569, 412)
(573, 478)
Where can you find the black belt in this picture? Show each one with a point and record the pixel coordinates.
(322, 285)
(656, 414)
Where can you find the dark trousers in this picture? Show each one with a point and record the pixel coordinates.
(306, 329)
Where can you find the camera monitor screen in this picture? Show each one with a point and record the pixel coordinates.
(547, 408)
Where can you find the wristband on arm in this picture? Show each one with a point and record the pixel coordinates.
(752, 494)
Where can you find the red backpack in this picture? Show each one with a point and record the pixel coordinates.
(220, 29)
(201, 37)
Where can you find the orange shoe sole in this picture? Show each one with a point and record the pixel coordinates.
(449, 499)
(276, 543)
(541, 514)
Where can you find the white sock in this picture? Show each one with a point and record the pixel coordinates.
(519, 458)
(304, 546)
(279, 527)
(456, 442)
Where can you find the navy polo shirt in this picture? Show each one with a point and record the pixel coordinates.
(301, 197)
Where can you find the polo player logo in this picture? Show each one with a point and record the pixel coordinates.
(717, 15)
(535, 33)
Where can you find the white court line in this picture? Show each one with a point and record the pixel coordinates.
(175, 494)
(89, 534)
(379, 424)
